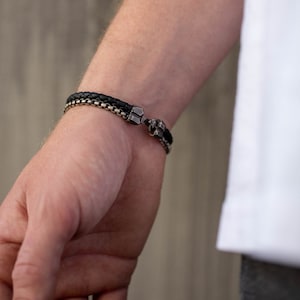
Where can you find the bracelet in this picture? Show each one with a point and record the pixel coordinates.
(130, 113)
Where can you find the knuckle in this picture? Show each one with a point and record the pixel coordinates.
(24, 271)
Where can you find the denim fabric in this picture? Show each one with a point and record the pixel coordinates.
(265, 281)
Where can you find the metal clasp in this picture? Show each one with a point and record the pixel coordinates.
(136, 116)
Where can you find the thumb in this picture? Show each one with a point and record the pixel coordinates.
(35, 271)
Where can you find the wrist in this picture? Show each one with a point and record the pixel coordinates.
(96, 128)
(115, 71)
(149, 98)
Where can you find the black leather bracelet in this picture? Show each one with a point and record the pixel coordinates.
(130, 113)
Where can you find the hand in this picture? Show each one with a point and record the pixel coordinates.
(79, 214)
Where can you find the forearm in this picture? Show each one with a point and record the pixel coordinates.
(157, 53)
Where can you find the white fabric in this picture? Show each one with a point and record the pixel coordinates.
(261, 212)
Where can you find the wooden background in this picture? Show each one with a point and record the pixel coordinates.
(45, 48)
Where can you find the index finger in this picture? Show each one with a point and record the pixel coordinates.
(38, 261)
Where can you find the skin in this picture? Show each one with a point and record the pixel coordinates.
(79, 214)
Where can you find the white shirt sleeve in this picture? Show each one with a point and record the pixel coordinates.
(261, 212)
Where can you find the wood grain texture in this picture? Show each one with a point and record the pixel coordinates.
(45, 48)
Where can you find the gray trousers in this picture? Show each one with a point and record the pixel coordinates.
(265, 281)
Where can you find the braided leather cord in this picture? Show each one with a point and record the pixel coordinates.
(93, 99)
(130, 113)
(101, 98)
